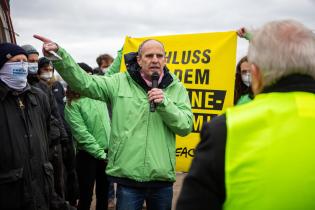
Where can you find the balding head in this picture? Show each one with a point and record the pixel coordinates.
(149, 41)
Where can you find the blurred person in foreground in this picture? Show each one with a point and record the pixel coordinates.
(142, 144)
(261, 155)
(90, 126)
(26, 175)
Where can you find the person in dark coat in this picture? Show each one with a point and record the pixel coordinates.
(26, 175)
(68, 179)
(57, 132)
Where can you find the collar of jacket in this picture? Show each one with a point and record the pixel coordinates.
(32, 79)
(291, 83)
(5, 90)
(133, 69)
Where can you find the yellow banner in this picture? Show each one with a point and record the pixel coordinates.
(205, 64)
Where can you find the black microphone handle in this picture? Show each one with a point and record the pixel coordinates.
(152, 104)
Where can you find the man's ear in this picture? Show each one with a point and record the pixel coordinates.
(139, 60)
(257, 79)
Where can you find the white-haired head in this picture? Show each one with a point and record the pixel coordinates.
(282, 48)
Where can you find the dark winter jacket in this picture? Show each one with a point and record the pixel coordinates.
(26, 176)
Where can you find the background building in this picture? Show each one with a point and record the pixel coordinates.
(7, 33)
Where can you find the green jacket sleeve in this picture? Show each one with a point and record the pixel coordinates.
(83, 137)
(248, 36)
(177, 116)
(95, 87)
(115, 66)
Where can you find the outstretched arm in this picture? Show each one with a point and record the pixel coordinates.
(99, 88)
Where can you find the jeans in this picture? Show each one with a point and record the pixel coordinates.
(157, 198)
(111, 191)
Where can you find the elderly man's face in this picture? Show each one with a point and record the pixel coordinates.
(32, 58)
(152, 58)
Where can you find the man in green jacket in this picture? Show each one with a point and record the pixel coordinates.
(142, 143)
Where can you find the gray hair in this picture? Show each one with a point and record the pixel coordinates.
(281, 48)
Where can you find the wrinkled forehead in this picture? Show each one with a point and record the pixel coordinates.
(18, 58)
(152, 46)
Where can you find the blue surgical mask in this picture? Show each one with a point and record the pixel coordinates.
(14, 74)
(32, 68)
(247, 79)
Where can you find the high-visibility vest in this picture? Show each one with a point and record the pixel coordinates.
(270, 153)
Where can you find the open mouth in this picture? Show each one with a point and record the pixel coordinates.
(154, 67)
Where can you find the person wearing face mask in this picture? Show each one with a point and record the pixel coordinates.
(32, 58)
(103, 61)
(46, 75)
(62, 147)
(25, 172)
(57, 133)
(45, 69)
(242, 89)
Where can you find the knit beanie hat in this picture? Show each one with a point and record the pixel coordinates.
(29, 49)
(9, 50)
(43, 61)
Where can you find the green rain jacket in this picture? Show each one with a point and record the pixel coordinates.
(142, 143)
(90, 125)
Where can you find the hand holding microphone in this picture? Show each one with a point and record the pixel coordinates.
(156, 95)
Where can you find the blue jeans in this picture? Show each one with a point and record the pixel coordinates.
(111, 191)
(157, 198)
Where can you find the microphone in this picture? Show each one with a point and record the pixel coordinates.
(155, 78)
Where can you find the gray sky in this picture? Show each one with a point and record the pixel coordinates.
(89, 28)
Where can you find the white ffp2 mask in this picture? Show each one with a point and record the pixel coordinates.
(14, 74)
(247, 79)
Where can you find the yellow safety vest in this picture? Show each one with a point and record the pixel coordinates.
(270, 153)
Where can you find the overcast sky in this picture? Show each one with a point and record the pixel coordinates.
(89, 28)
